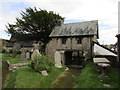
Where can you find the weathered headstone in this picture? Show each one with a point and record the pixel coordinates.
(7, 52)
(16, 48)
(35, 54)
(57, 56)
(23, 54)
(37, 46)
(14, 53)
(27, 55)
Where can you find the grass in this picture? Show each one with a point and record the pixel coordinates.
(13, 60)
(25, 77)
(89, 77)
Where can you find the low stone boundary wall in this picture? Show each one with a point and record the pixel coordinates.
(15, 66)
(7, 65)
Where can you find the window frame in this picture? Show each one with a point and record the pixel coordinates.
(64, 40)
(79, 40)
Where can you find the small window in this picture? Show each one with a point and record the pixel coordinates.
(79, 40)
(64, 40)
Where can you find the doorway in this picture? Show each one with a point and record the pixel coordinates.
(73, 58)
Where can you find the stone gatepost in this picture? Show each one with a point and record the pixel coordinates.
(57, 56)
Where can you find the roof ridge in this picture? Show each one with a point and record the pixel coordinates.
(80, 22)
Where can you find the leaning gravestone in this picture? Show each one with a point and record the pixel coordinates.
(23, 54)
(27, 55)
(35, 54)
(57, 56)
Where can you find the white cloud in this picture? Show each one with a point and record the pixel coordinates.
(105, 11)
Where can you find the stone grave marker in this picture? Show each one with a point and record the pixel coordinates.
(37, 46)
(27, 55)
(7, 52)
(14, 53)
(35, 54)
(57, 56)
(23, 54)
(16, 48)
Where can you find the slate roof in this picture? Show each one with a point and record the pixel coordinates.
(76, 29)
(22, 43)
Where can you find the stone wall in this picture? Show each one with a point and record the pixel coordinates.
(71, 44)
(15, 66)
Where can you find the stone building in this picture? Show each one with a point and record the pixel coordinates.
(73, 39)
(29, 45)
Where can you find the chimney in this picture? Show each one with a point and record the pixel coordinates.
(60, 22)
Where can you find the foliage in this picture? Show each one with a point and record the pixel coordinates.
(3, 49)
(34, 25)
(89, 77)
(27, 78)
(41, 63)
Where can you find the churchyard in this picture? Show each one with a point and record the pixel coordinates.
(43, 52)
(67, 64)
(26, 77)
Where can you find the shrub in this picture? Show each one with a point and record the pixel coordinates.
(41, 63)
(3, 49)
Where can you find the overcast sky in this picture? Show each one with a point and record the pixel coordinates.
(105, 11)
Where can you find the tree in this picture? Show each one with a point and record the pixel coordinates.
(34, 25)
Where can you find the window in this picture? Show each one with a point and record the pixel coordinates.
(64, 40)
(79, 40)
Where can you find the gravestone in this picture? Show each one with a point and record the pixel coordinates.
(37, 46)
(16, 48)
(57, 56)
(35, 54)
(27, 55)
(14, 53)
(7, 52)
(23, 54)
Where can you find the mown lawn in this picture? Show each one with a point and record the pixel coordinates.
(89, 77)
(25, 77)
(13, 60)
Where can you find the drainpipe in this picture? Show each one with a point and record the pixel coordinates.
(118, 36)
(118, 50)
